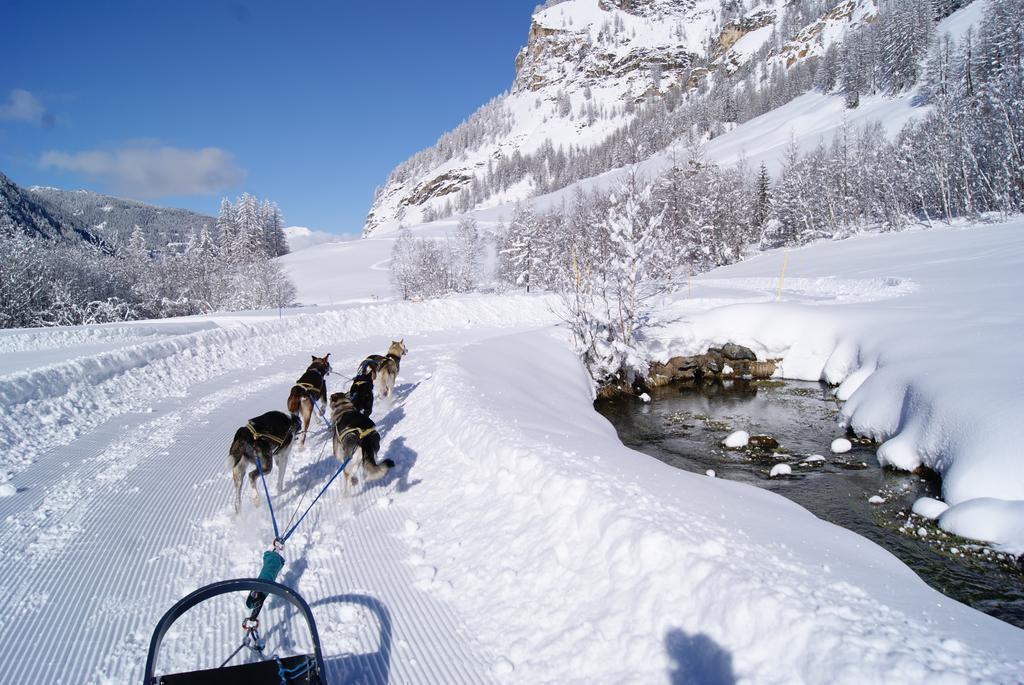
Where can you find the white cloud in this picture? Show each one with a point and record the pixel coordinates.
(148, 170)
(300, 237)
(22, 105)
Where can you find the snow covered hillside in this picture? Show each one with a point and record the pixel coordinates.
(587, 68)
(810, 119)
(517, 540)
(918, 330)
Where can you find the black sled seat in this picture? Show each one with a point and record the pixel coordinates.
(301, 669)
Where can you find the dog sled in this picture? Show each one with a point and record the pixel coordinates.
(297, 669)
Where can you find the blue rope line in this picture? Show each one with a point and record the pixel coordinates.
(320, 412)
(291, 530)
(270, 503)
(266, 491)
(286, 674)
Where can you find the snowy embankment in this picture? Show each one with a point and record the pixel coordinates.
(582, 561)
(921, 331)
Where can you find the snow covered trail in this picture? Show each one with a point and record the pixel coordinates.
(112, 524)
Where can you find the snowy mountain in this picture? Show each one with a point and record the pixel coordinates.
(589, 69)
(23, 212)
(115, 218)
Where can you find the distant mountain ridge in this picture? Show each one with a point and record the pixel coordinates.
(23, 212)
(114, 218)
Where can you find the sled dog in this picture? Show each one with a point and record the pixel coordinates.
(361, 393)
(309, 389)
(355, 436)
(269, 438)
(384, 369)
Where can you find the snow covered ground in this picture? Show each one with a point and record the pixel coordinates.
(517, 539)
(921, 330)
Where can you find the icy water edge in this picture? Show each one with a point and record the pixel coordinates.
(684, 426)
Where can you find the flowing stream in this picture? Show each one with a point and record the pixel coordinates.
(684, 426)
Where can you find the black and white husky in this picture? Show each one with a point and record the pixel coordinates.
(355, 436)
(269, 438)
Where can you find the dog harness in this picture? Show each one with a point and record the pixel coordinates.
(360, 432)
(256, 435)
(309, 387)
(376, 361)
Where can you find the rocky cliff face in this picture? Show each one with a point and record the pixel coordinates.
(586, 67)
(632, 38)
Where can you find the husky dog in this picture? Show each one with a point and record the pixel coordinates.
(269, 438)
(355, 436)
(384, 369)
(309, 389)
(361, 393)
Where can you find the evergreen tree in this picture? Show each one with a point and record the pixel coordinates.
(762, 198)
(524, 251)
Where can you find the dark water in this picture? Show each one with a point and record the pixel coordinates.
(685, 426)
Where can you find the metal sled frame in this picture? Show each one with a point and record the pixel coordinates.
(248, 673)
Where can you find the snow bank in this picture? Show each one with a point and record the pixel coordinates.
(927, 373)
(578, 560)
(985, 518)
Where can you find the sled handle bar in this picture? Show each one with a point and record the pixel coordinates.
(221, 588)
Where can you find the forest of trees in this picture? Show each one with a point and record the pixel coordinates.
(425, 267)
(45, 283)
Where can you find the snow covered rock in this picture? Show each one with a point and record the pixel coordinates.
(985, 518)
(6, 490)
(841, 446)
(710, 473)
(737, 440)
(780, 470)
(876, 499)
(929, 508)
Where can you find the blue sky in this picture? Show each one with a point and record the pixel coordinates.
(181, 102)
